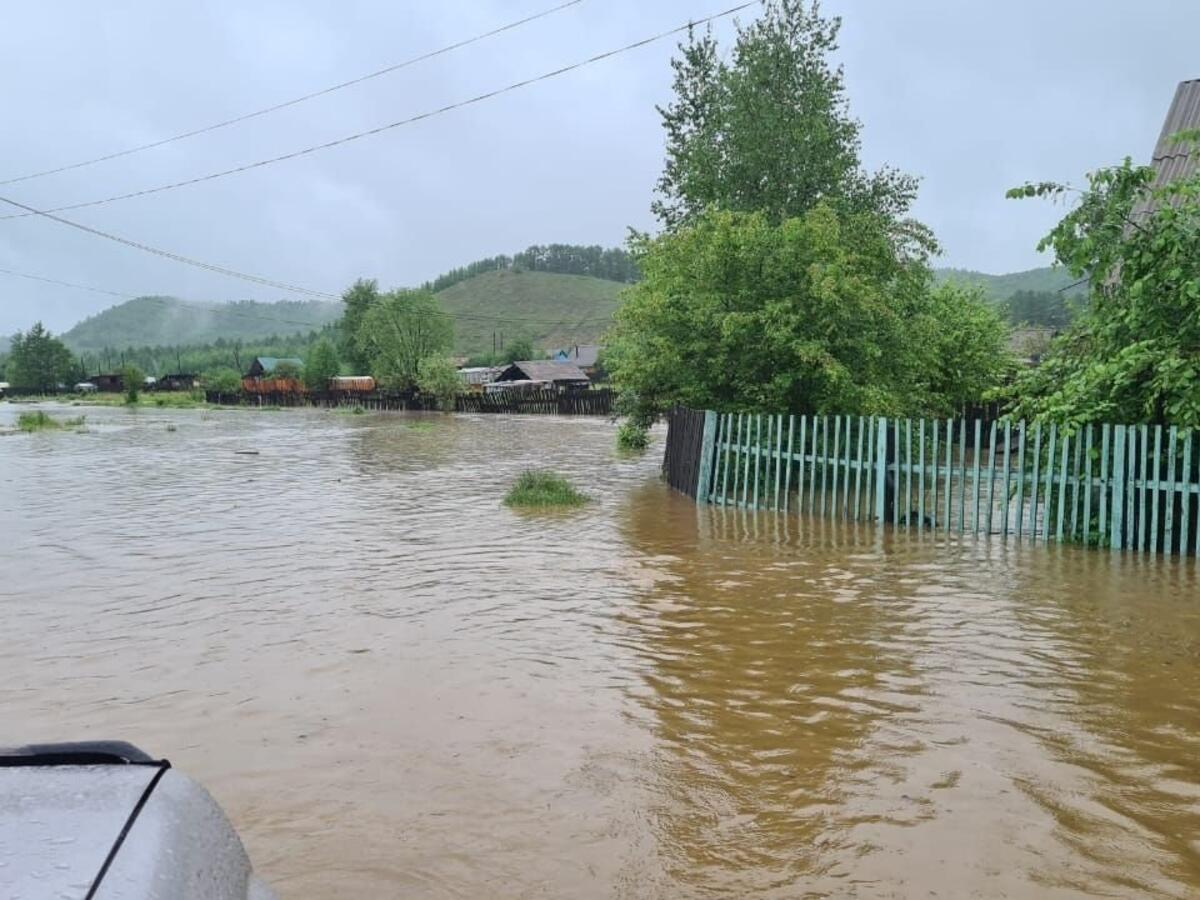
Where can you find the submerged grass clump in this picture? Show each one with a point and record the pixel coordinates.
(541, 489)
(39, 420)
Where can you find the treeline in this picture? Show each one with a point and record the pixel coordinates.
(610, 264)
(221, 354)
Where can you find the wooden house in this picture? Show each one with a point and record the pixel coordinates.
(544, 374)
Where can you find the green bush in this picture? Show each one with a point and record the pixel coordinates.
(42, 421)
(632, 436)
(134, 380)
(542, 489)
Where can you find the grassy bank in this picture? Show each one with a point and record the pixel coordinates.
(544, 490)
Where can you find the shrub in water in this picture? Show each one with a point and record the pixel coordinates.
(632, 436)
(544, 489)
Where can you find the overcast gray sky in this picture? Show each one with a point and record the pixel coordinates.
(971, 95)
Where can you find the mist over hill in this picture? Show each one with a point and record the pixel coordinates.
(166, 321)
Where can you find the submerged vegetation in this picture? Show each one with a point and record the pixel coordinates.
(544, 490)
(632, 436)
(39, 420)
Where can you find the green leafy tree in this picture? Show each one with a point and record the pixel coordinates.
(321, 365)
(1134, 355)
(287, 371)
(1047, 309)
(356, 301)
(223, 381)
(438, 377)
(816, 314)
(768, 130)
(133, 380)
(518, 350)
(400, 330)
(38, 361)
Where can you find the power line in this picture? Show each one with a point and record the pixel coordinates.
(478, 98)
(297, 100)
(82, 287)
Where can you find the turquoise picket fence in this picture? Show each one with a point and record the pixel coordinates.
(1117, 486)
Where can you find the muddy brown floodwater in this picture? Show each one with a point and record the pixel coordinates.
(397, 687)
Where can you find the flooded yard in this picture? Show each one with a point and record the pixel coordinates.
(398, 687)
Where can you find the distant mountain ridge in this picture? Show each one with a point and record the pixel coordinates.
(552, 309)
(166, 321)
(1002, 287)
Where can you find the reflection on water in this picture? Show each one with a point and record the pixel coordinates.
(398, 687)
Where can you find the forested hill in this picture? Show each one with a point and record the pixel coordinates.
(552, 310)
(165, 321)
(1002, 287)
(609, 264)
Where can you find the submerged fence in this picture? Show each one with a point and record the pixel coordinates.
(1117, 486)
(518, 402)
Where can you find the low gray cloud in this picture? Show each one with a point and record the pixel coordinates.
(972, 96)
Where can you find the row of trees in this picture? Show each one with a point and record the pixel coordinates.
(786, 276)
(611, 264)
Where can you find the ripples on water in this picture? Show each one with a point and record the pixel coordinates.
(396, 686)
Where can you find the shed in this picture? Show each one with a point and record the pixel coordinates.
(552, 374)
(109, 383)
(352, 384)
(264, 366)
(477, 376)
(179, 381)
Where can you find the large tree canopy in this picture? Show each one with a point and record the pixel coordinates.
(814, 314)
(38, 361)
(399, 330)
(768, 131)
(1133, 355)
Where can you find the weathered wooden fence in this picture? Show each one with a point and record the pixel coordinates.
(579, 403)
(1117, 486)
(560, 403)
(685, 443)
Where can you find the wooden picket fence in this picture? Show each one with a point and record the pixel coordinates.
(1123, 487)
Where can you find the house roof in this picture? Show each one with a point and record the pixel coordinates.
(268, 363)
(1172, 161)
(583, 355)
(544, 370)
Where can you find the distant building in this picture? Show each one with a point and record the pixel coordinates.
(476, 377)
(4, 388)
(179, 381)
(352, 384)
(85, 387)
(585, 356)
(1029, 345)
(265, 366)
(542, 373)
(109, 383)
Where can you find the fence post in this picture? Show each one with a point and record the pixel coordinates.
(707, 448)
(1117, 519)
(881, 462)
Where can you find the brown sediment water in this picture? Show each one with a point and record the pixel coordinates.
(396, 686)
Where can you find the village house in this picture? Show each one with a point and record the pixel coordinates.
(541, 374)
(585, 356)
(265, 366)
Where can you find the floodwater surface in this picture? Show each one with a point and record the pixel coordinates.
(397, 687)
